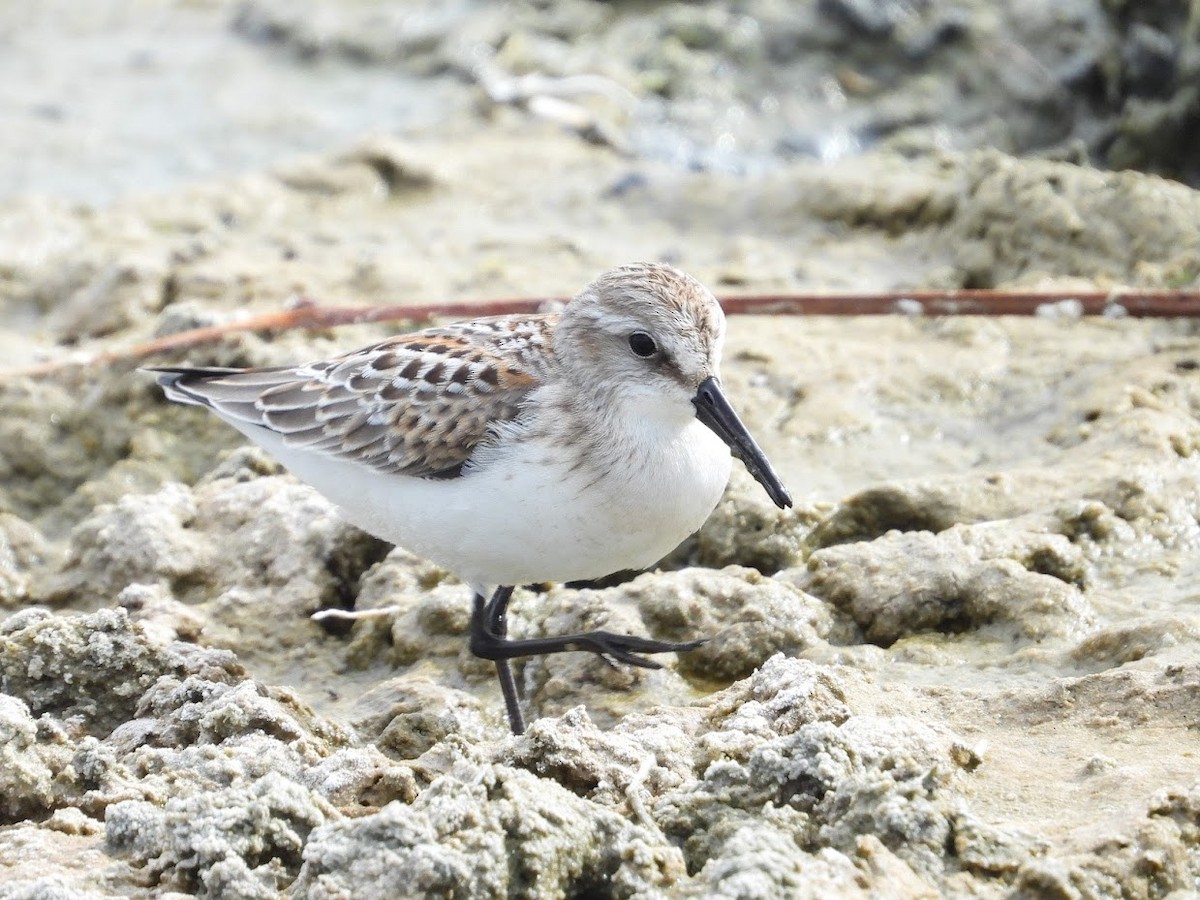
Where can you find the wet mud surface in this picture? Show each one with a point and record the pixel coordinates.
(966, 664)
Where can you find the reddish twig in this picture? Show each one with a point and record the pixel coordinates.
(1135, 303)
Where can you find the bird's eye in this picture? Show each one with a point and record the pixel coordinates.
(642, 344)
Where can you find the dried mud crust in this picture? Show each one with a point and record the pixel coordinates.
(171, 767)
(963, 665)
(787, 781)
(983, 582)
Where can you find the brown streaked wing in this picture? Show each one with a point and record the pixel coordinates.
(416, 404)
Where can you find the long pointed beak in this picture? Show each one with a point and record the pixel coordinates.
(714, 411)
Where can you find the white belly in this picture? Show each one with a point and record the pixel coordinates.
(526, 517)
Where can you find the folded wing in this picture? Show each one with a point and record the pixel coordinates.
(417, 404)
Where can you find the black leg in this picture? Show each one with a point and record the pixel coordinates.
(497, 612)
(496, 623)
(489, 629)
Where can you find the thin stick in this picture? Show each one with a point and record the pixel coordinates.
(1117, 302)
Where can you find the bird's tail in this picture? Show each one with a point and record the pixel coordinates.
(177, 382)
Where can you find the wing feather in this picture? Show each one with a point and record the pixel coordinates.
(418, 404)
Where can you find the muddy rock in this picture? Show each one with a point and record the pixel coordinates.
(1039, 218)
(26, 787)
(22, 548)
(745, 617)
(423, 612)
(557, 683)
(200, 711)
(912, 78)
(192, 729)
(406, 716)
(760, 859)
(643, 756)
(826, 771)
(747, 529)
(82, 869)
(1152, 859)
(162, 618)
(947, 584)
(140, 539)
(216, 839)
(87, 671)
(354, 779)
(154, 549)
(777, 699)
(1135, 639)
(326, 556)
(58, 437)
(533, 838)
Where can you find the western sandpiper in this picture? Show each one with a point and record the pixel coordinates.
(517, 449)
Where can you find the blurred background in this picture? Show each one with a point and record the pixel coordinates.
(104, 98)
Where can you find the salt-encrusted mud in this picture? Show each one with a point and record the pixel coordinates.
(964, 665)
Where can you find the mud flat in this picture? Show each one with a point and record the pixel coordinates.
(964, 665)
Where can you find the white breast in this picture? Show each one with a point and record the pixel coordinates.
(527, 515)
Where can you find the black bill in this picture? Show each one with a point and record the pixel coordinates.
(714, 411)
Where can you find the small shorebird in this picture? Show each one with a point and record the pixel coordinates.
(516, 449)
